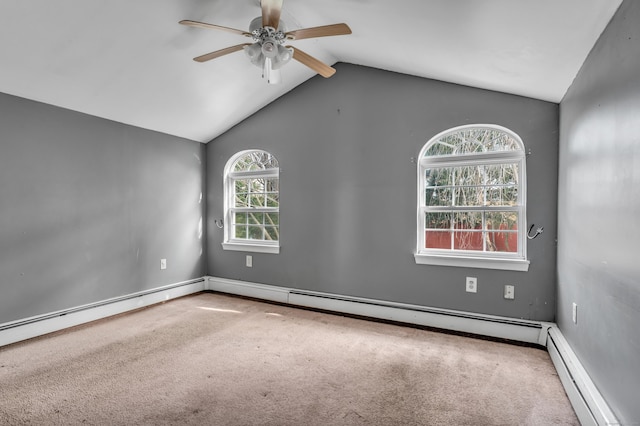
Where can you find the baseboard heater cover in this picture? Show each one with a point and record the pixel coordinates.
(27, 328)
(486, 325)
(589, 405)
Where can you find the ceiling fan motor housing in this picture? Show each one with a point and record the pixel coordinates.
(256, 24)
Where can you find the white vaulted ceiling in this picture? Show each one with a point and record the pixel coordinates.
(130, 61)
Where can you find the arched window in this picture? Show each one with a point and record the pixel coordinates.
(252, 202)
(471, 199)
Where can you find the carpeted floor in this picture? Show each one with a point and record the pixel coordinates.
(212, 359)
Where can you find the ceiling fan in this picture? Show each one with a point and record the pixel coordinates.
(269, 35)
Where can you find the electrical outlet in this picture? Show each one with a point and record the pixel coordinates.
(472, 285)
(509, 292)
(574, 313)
(249, 261)
(163, 263)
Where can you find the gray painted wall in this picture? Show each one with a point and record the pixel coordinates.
(88, 207)
(599, 207)
(348, 190)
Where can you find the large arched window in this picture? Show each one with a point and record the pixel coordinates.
(471, 199)
(252, 202)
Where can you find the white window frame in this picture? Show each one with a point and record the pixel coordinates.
(241, 244)
(471, 258)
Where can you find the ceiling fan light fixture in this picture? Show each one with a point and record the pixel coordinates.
(254, 53)
(284, 55)
(270, 56)
(269, 48)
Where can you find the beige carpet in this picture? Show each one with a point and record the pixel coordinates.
(212, 359)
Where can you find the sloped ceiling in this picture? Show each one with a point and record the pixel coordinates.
(130, 61)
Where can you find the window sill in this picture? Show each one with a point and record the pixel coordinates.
(256, 248)
(472, 262)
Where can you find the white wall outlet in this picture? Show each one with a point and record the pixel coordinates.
(163, 263)
(509, 292)
(249, 261)
(472, 285)
(574, 313)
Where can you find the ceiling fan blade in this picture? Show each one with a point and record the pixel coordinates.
(214, 27)
(323, 31)
(318, 66)
(271, 10)
(221, 52)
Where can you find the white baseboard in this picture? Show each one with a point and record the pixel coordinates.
(589, 405)
(466, 322)
(16, 331)
(244, 288)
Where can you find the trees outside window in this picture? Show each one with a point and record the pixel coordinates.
(471, 199)
(252, 202)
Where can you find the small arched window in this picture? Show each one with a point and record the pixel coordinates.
(252, 202)
(471, 199)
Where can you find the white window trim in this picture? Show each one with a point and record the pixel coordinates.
(472, 262)
(473, 259)
(255, 246)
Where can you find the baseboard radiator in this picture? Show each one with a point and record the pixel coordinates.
(27, 328)
(486, 325)
(589, 405)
